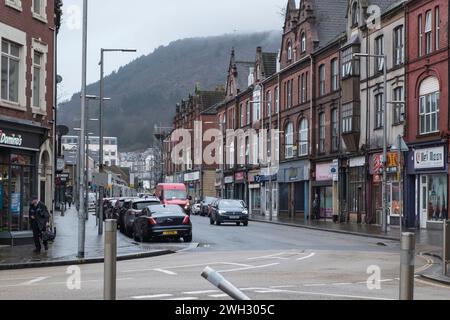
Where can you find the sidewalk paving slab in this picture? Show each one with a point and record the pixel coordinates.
(64, 250)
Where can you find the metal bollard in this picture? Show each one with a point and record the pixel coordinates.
(109, 284)
(408, 246)
(220, 282)
(446, 247)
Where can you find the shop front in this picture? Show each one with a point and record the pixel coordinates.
(392, 191)
(218, 184)
(356, 200)
(229, 187)
(325, 188)
(23, 170)
(293, 188)
(427, 171)
(254, 189)
(193, 185)
(269, 190)
(240, 186)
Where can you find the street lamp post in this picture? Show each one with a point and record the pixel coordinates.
(384, 185)
(102, 52)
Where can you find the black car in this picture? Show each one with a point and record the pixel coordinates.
(205, 204)
(162, 221)
(229, 211)
(136, 207)
(125, 206)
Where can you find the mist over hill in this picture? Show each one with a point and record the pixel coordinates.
(145, 91)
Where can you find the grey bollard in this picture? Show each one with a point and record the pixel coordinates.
(408, 246)
(109, 284)
(446, 246)
(220, 282)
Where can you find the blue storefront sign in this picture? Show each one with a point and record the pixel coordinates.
(15, 203)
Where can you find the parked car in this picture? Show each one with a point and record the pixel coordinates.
(229, 211)
(136, 207)
(205, 205)
(174, 193)
(162, 221)
(196, 208)
(126, 205)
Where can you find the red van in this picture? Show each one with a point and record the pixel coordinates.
(174, 193)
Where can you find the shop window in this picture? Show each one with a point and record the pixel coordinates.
(357, 191)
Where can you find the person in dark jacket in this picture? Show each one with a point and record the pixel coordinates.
(39, 220)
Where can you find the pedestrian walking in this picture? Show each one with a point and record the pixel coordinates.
(39, 219)
(69, 200)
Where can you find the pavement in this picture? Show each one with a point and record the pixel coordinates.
(65, 247)
(428, 242)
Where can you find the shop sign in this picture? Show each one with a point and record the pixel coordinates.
(60, 164)
(239, 176)
(10, 139)
(192, 176)
(19, 139)
(429, 158)
(357, 162)
(228, 180)
(252, 177)
(392, 163)
(323, 172)
(334, 170)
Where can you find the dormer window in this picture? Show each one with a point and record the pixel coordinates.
(355, 14)
(289, 51)
(303, 42)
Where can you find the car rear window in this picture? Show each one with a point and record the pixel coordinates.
(144, 204)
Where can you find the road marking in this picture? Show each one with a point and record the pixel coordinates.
(249, 268)
(183, 299)
(166, 272)
(200, 292)
(14, 279)
(156, 296)
(337, 295)
(342, 284)
(315, 285)
(268, 291)
(432, 284)
(36, 280)
(236, 264)
(307, 257)
(281, 287)
(223, 295)
(272, 256)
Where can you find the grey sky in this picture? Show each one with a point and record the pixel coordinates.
(147, 24)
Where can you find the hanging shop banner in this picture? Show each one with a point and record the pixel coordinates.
(15, 203)
(430, 158)
(376, 165)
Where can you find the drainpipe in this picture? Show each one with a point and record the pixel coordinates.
(55, 107)
(311, 135)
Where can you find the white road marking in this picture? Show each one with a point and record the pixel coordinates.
(432, 284)
(249, 268)
(272, 256)
(281, 287)
(200, 292)
(183, 299)
(36, 280)
(337, 295)
(156, 296)
(223, 295)
(166, 272)
(315, 285)
(14, 279)
(307, 257)
(236, 264)
(342, 284)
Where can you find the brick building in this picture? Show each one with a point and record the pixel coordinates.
(28, 31)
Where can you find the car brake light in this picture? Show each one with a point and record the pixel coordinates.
(152, 221)
(186, 220)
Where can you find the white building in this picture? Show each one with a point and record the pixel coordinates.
(110, 148)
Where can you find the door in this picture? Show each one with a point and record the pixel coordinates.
(423, 201)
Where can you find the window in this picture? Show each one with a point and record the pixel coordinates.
(303, 138)
(37, 74)
(334, 75)
(334, 130)
(233, 118)
(247, 150)
(39, 9)
(322, 130)
(289, 141)
(37, 6)
(429, 107)
(398, 46)
(269, 102)
(277, 99)
(247, 108)
(289, 51)
(303, 43)
(322, 80)
(379, 50)
(288, 94)
(350, 67)
(420, 36)
(428, 32)
(379, 122)
(347, 118)
(355, 14)
(257, 105)
(303, 88)
(438, 27)
(399, 107)
(10, 71)
(242, 113)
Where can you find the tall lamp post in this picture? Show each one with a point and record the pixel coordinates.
(102, 53)
(384, 185)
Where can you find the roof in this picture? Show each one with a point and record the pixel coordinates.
(269, 62)
(210, 98)
(330, 19)
(243, 70)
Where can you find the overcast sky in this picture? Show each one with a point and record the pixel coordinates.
(147, 24)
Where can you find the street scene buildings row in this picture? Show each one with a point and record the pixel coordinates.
(341, 66)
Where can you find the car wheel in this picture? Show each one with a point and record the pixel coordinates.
(238, 224)
(218, 223)
(188, 239)
(211, 221)
(245, 224)
(134, 235)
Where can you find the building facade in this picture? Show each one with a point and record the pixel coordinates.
(28, 31)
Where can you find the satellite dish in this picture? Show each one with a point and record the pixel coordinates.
(62, 130)
(59, 79)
